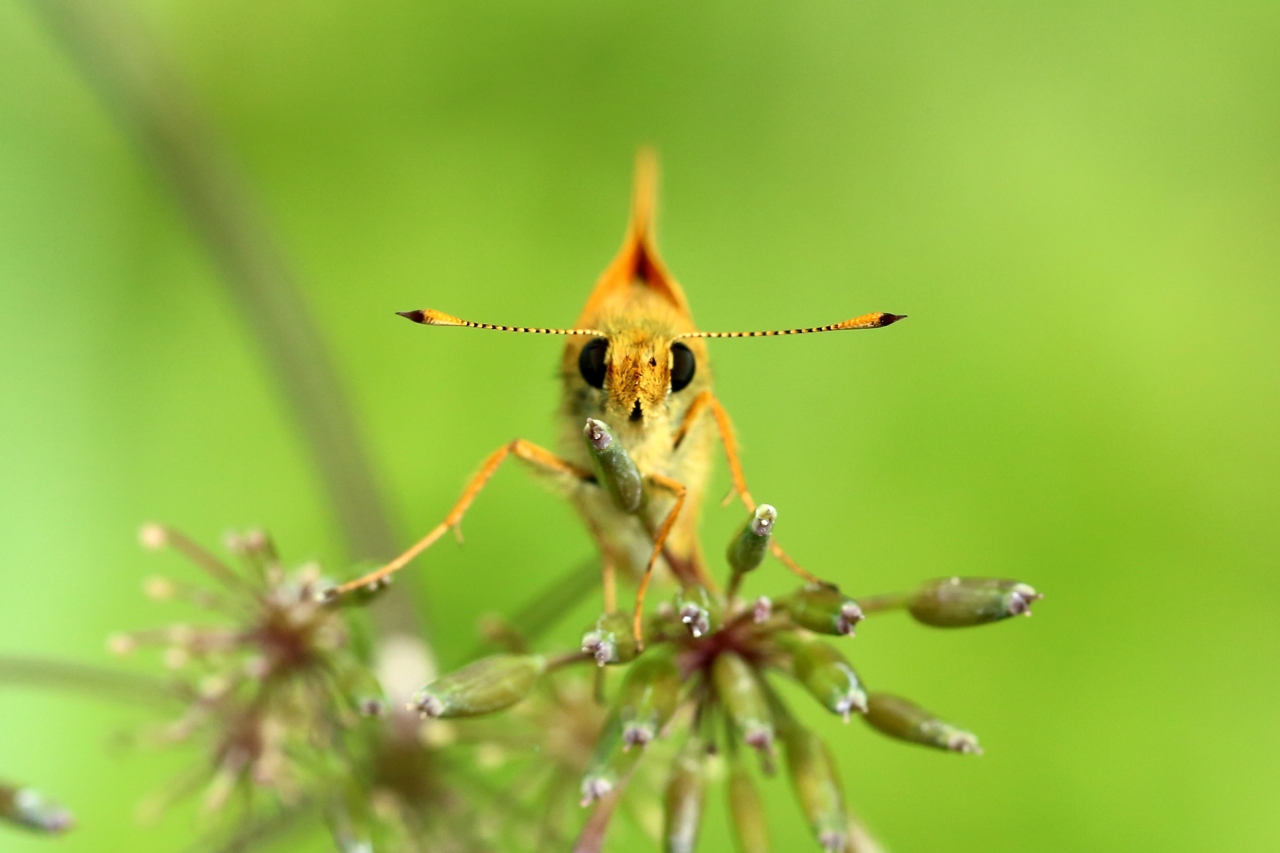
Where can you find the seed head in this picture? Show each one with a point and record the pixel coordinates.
(490, 684)
(905, 720)
(824, 609)
(31, 810)
(962, 602)
(610, 640)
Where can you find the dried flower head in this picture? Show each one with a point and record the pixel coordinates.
(273, 685)
(293, 720)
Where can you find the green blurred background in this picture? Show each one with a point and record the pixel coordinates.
(1078, 205)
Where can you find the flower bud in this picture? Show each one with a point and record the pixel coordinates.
(699, 610)
(490, 684)
(751, 543)
(961, 602)
(827, 676)
(648, 697)
(816, 784)
(610, 762)
(907, 721)
(29, 809)
(747, 810)
(822, 608)
(685, 798)
(740, 693)
(615, 471)
(610, 640)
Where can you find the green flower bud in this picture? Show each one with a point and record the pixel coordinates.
(747, 810)
(29, 809)
(961, 602)
(907, 721)
(816, 784)
(699, 610)
(610, 640)
(751, 543)
(648, 697)
(615, 471)
(822, 608)
(490, 684)
(743, 699)
(610, 762)
(685, 798)
(826, 674)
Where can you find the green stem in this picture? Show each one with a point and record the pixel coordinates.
(95, 681)
(881, 603)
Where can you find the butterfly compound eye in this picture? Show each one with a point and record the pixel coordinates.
(591, 362)
(683, 366)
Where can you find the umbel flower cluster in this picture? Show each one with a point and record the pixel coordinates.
(280, 691)
(273, 682)
(701, 679)
(281, 697)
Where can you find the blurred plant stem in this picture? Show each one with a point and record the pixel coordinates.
(95, 681)
(130, 72)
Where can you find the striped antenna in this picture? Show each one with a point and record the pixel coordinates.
(866, 321)
(439, 318)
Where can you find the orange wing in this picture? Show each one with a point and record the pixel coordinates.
(637, 263)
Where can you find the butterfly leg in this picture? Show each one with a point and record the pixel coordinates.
(532, 453)
(706, 402)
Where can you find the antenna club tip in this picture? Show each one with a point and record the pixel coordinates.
(878, 320)
(430, 317)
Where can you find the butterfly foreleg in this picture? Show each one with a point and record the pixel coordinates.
(529, 452)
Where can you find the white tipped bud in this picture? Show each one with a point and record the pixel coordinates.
(763, 519)
(961, 602)
(597, 433)
(696, 619)
(637, 734)
(850, 615)
(759, 737)
(762, 610)
(609, 639)
(599, 646)
(256, 540)
(427, 706)
(121, 644)
(593, 788)
(153, 537)
(29, 809)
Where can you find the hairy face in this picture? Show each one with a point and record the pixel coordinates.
(634, 375)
